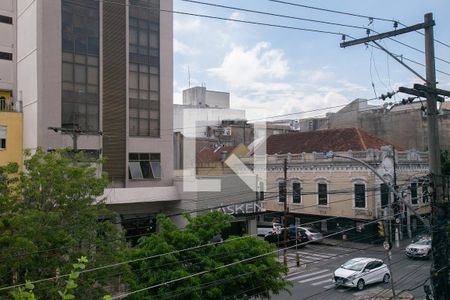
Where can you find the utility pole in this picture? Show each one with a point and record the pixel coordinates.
(440, 247)
(74, 133)
(439, 274)
(285, 224)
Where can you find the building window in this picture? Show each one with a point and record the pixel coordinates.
(6, 19)
(144, 85)
(385, 194)
(296, 192)
(6, 55)
(2, 137)
(414, 199)
(144, 165)
(360, 195)
(322, 193)
(425, 193)
(80, 65)
(282, 191)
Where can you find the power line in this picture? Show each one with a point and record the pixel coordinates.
(229, 19)
(334, 11)
(421, 33)
(307, 20)
(276, 15)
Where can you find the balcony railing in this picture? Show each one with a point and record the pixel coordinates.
(10, 107)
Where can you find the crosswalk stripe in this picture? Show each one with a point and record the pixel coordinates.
(307, 275)
(329, 286)
(318, 255)
(322, 282)
(295, 272)
(314, 278)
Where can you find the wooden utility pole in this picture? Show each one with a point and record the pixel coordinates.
(439, 271)
(285, 224)
(440, 247)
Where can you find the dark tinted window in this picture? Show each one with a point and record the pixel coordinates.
(281, 191)
(6, 19)
(360, 195)
(385, 194)
(6, 55)
(322, 194)
(296, 192)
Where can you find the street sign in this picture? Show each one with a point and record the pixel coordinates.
(397, 220)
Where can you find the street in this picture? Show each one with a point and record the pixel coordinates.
(313, 279)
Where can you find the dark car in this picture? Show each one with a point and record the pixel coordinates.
(278, 238)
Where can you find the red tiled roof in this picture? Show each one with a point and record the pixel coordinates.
(340, 139)
(210, 154)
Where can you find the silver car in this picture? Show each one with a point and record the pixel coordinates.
(313, 234)
(360, 271)
(419, 249)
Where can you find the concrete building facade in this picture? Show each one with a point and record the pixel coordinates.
(338, 193)
(404, 125)
(105, 70)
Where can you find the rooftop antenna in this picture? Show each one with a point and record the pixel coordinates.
(189, 77)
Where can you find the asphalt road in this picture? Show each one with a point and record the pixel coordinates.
(312, 280)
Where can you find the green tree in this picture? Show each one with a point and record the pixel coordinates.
(50, 217)
(205, 267)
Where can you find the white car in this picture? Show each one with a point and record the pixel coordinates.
(420, 249)
(360, 271)
(313, 234)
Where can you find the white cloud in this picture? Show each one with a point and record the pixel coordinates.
(183, 49)
(186, 24)
(249, 68)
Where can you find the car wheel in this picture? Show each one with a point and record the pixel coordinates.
(386, 278)
(360, 285)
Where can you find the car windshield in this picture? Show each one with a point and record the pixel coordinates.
(354, 265)
(423, 242)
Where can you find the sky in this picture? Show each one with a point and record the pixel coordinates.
(272, 71)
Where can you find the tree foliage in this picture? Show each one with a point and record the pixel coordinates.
(204, 268)
(50, 216)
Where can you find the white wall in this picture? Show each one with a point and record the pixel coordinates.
(217, 99)
(27, 68)
(8, 44)
(208, 117)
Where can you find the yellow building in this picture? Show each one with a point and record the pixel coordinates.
(11, 130)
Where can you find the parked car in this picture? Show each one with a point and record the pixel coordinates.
(313, 234)
(419, 249)
(262, 231)
(361, 271)
(278, 238)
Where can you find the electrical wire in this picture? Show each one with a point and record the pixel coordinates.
(333, 11)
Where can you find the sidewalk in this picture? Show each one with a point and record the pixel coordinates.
(359, 245)
(384, 295)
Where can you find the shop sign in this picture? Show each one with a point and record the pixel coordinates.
(241, 209)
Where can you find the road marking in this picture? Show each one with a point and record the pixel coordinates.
(322, 282)
(307, 275)
(314, 278)
(318, 255)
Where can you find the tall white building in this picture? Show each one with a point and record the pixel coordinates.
(105, 69)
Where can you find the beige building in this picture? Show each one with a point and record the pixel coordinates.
(336, 193)
(404, 125)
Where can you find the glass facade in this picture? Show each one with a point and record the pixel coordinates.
(80, 64)
(144, 85)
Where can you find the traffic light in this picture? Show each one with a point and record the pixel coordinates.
(380, 225)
